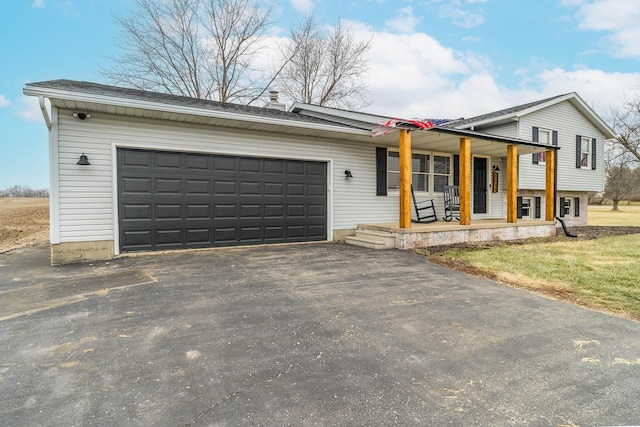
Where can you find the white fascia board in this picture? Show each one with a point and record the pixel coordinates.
(374, 119)
(571, 97)
(146, 105)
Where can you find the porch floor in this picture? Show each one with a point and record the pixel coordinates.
(446, 233)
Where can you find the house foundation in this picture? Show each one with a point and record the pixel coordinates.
(387, 236)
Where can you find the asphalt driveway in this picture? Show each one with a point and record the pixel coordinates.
(320, 334)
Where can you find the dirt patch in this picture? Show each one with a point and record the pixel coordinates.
(23, 222)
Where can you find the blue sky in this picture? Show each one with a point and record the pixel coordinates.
(429, 58)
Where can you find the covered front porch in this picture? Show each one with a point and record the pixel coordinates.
(485, 168)
(391, 235)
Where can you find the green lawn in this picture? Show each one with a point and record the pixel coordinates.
(602, 274)
(603, 215)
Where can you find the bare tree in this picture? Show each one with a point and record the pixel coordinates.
(24, 191)
(622, 176)
(196, 48)
(626, 123)
(324, 68)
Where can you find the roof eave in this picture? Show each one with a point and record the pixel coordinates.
(78, 96)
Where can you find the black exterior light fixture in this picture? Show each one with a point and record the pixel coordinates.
(347, 174)
(82, 116)
(84, 160)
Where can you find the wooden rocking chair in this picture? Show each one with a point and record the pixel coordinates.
(451, 202)
(425, 210)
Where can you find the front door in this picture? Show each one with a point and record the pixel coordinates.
(479, 185)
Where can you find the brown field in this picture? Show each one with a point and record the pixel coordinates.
(23, 221)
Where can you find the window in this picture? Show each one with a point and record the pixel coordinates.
(441, 172)
(529, 207)
(429, 172)
(526, 208)
(585, 152)
(565, 206)
(544, 137)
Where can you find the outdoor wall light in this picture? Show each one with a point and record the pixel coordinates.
(82, 116)
(347, 174)
(496, 168)
(84, 160)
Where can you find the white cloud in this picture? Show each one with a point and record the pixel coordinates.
(29, 109)
(4, 102)
(39, 4)
(618, 18)
(404, 22)
(415, 76)
(302, 6)
(600, 89)
(462, 13)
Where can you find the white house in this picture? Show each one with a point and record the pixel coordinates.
(140, 171)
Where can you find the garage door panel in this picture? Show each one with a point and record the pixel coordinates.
(224, 164)
(168, 186)
(296, 168)
(273, 189)
(136, 158)
(199, 187)
(137, 185)
(166, 238)
(197, 162)
(137, 239)
(224, 188)
(198, 212)
(317, 190)
(176, 200)
(251, 234)
(168, 160)
(137, 212)
(169, 212)
(200, 236)
(248, 165)
(250, 188)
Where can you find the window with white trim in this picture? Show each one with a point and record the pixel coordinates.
(544, 137)
(526, 208)
(429, 172)
(566, 206)
(585, 153)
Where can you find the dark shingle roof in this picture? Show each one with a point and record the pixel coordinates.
(499, 113)
(176, 100)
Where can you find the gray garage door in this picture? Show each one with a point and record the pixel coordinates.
(173, 200)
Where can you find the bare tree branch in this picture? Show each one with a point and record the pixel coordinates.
(196, 48)
(325, 69)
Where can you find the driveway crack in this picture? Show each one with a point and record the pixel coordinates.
(237, 392)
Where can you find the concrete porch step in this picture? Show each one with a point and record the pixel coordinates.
(372, 239)
(365, 242)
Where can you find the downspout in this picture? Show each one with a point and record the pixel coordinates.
(555, 198)
(45, 113)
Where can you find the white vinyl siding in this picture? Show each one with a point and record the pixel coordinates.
(86, 192)
(568, 122)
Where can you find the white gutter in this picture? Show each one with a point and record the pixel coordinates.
(45, 113)
(225, 115)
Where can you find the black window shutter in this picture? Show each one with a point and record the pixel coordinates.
(593, 153)
(538, 202)
(535, 138)
(519, 199)
(554, 138)
(576, 206)
(456, 169)
(561, 207)
(381, 171)
(578, 151)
